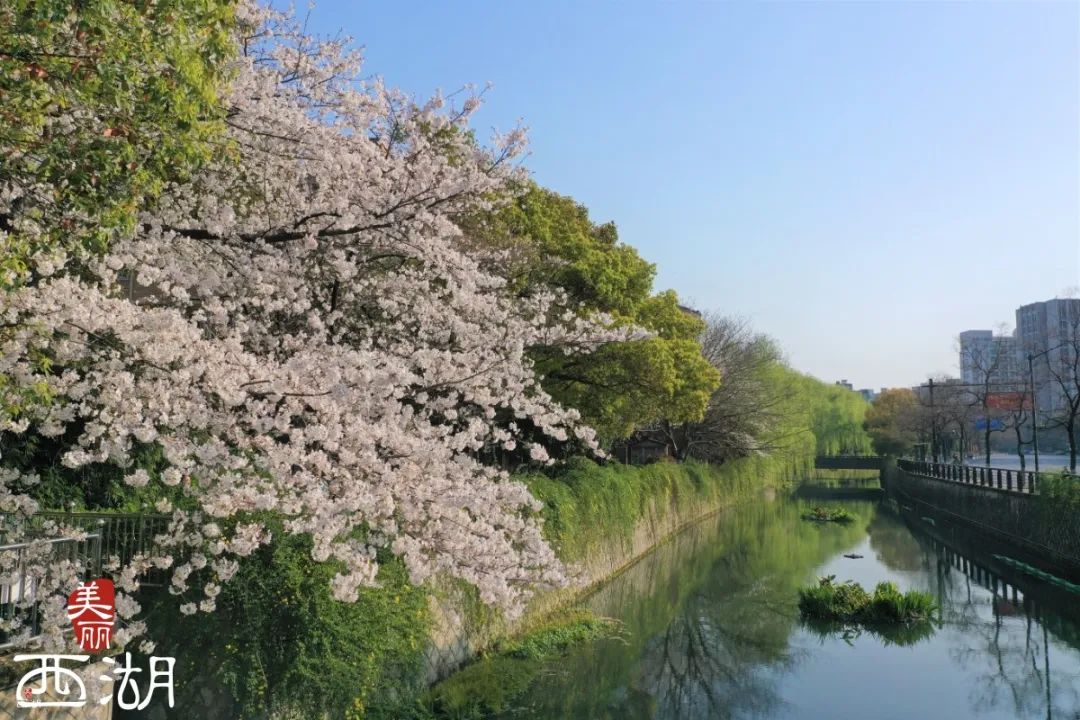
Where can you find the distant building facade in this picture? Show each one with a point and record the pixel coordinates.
(1047, 331)
(985, 357)
(845, 384)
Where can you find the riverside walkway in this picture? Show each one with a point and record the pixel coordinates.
(996, 478)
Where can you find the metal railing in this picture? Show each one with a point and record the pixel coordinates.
(108, 535)
(123, 535)
(1025, 481)
(19, 587)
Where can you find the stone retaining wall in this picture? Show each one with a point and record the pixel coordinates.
(1053, 539)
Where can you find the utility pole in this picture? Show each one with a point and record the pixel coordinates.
(933, 425)
(1034, 412)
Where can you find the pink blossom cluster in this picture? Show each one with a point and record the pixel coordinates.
(302, 332)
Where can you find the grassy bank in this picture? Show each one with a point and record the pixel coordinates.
(496, 679)
(589, 506)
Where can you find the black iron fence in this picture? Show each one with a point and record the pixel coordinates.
(1025, 481)
(123, 535)
(19, 583)
(31, 545)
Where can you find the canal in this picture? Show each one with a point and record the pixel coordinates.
(710, 628)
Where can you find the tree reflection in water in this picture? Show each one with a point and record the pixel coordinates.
(709, 661)
(1000, 635)
(708, 619)
(712, 630)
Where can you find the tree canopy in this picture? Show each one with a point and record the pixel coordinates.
(542, 239)
(306, 341)
(893, 421)
(101, 103)
(763, 406)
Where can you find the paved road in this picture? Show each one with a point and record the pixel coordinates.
(1011, 462)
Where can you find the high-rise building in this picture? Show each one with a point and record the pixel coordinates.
(1048, 332)
(845, 384)
(985, 357)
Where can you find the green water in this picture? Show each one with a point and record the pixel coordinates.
(710, 629)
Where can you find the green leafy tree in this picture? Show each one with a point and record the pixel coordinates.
(101, 103)
(543, 239)
(763, 406)
(893, 421)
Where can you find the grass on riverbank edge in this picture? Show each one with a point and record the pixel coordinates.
(849, 602)
(824, 514)
(491, 683)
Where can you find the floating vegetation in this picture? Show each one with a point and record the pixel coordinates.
(849, 603)
(825, 514)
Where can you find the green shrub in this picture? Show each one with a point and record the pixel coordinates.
(1059, 495)
(889, 605)
(830, 601)
(279, 642)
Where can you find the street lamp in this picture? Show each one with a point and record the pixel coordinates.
(1034, 401)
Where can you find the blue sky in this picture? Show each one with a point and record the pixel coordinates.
(860, 180)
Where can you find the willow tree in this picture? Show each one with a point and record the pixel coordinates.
(763, 406)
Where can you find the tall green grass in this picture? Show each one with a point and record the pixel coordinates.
(587, 505)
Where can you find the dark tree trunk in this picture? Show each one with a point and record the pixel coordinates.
(1070, 431)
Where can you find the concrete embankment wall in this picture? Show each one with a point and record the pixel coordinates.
(1044, 535)
(462, 627)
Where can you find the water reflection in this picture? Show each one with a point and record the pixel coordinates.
(712, 630)
(1007, 627)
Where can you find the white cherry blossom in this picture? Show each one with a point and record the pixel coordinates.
(307, 337)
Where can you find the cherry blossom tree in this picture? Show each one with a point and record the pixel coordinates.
(301, 333)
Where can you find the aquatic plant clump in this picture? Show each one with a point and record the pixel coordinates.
(824, 514)
(849, 602)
